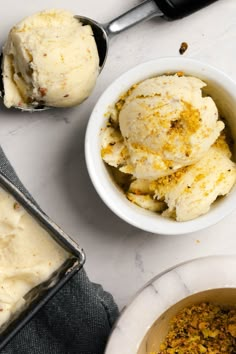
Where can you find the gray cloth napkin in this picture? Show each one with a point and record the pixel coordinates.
(77, 320)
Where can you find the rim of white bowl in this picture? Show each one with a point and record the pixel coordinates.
(221, 265)
(106, 188)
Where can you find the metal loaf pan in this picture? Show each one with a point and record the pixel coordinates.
(40, 295)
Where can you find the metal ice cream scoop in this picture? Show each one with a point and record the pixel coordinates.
(169, 9)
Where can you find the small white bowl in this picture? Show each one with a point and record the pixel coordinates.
(223, 91)
(143, 325)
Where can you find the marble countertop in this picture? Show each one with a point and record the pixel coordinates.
(47, 148)
(141, 326)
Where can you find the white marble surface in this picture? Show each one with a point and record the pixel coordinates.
(200, 280)
(47, 149)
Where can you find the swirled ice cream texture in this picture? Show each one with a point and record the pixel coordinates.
(28, 255)
(190, 191)
(167, 136)
(49, 59)
(166, 124)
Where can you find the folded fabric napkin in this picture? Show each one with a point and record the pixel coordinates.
(77, 320)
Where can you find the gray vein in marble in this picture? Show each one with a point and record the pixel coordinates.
(66, 120)
(139, 262)
(153, 287)
(182, 281)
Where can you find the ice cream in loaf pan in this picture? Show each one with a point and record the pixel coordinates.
(28, 255)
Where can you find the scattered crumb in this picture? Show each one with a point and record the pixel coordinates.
(43, 91)
(180, 73)
(198, 241)
(16, 206)
(183, 48)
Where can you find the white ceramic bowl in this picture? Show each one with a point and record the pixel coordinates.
(223, 91)
(143, 325)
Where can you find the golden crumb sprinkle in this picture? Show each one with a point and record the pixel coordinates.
(191, 118)
(16, 206)
(223, 144)
(202, 328)
(170, 179)
(120, 103)
(187, 124)
(106, 150)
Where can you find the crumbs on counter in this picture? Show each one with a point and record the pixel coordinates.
(183, 48)
(201, 328)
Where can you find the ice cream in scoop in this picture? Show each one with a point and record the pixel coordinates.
(49, 59)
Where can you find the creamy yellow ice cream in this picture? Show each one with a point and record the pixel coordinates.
(49, 59)
(28, 255)
(191, 190)
(168, 139)
(166, 124)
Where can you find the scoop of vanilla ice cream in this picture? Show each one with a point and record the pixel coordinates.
(191, 190)
(49, 58)
(166, 124)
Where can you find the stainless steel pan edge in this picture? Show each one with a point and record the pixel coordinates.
(57, 233)
(41, 294)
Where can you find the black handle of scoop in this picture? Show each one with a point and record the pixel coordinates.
(174, 9)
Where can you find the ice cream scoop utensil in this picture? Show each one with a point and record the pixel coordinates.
(169, 9)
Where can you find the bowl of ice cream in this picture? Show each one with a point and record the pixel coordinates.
(190, 308)
(159, 146)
